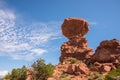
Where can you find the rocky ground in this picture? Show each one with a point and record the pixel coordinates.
(78, 61)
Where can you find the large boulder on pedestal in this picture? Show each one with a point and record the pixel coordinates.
(74, 26)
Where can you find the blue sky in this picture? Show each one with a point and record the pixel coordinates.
(31, 29)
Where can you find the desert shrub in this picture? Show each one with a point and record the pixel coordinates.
(113, 74)
(17, 74)
(73, 61)
(95, 76)
(41, 70)
(63, 77)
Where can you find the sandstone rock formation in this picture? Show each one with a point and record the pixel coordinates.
(77, 60)
(107, 56)
(107, 51)
(75, 51)
(74, 29)
(78, 69)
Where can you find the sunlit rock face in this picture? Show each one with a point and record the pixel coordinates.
(78, 59)
(75, 29)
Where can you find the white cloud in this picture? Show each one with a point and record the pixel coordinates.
(9, 48)
(38, 51)
(24, 56)
(3, 73)
(6, 20)
(21, 41)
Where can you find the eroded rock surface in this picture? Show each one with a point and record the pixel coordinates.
(107, 51)
(74, 26)
(77, 60)
(76, 47)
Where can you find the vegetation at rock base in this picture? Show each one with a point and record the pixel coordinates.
(63, 77)
(113, 74)
(96, 76)
(17, 74)
(41, 71)
(73, 61)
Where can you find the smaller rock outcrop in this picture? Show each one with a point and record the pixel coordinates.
(107, 51)
(107, 56)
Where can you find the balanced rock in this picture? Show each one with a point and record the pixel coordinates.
(74, 26)
(76, 47)
(107, 51)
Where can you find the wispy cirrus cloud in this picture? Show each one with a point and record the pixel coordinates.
(21, 41)
(6, 20)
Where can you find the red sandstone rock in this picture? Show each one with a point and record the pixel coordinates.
(71, 69)
(106, 68)
(76, 48)
(51, 79)
(74, 26)
(83, 69)
(97, 64)
(106, 57)
(95, 68)
(78, 69)
(79, 78)
(107, 51)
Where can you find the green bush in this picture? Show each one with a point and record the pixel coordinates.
(41, 70)
(63, 77)
(17, 74)
(113, 74)
(95, 75)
